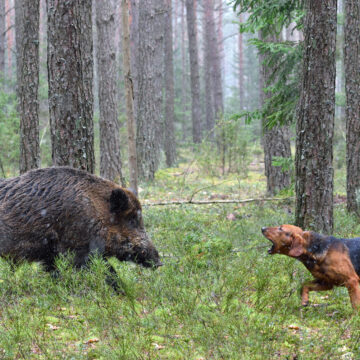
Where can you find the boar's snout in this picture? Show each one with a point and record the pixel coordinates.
(148, 257)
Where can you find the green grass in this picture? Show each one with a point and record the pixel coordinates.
(218, 296)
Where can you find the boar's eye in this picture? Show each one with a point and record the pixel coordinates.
(119, 201)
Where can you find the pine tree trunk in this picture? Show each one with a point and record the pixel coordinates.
(194, 71)
(129, 95)
(183, 73)
(9, 39)
(352, 81)
(151, 16)
(208, 50)
(2, 37)
(241, 68)
(315, 125)
(110, 158)
(134, 50)
(215, 60)
(169, 135)
(276, 141)
(70, 72)
(27, 47)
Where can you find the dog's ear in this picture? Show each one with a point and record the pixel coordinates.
(297, 246)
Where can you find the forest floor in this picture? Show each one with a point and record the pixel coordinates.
(219, 294)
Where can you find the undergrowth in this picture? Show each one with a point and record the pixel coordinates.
(219, 294)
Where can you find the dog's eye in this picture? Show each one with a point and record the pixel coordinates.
(287, 234)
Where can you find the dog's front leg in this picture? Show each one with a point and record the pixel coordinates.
(315, 285)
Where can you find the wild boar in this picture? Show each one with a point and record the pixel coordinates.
(51, 211)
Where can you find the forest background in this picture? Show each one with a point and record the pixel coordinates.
(226, 104)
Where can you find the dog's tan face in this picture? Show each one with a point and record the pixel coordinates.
(287, 240)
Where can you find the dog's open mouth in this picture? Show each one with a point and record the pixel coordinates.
(271, 250)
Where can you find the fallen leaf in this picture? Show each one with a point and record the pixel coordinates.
(53, 327)
(294, 327)
(92, 340)
(158, 347)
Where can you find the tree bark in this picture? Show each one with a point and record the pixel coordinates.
(110, 158)
(70, 72)
(129, 95)
(241, 68)
(352, 81)
(215, 60)
(134, 50)
(208, 50)
(276, 141)
(315, 123)
(151, 15)
(27, 45)
(169, 135)
(194, 72)
(9, 38)
(2, 37)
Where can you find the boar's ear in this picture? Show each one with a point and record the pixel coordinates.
(119, 201)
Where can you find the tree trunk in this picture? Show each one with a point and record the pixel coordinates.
(352, 81)
(27, 47)
(208, 50)
(169, 135)
(2, 37)
(110, 158)
(241, 68)
(183, 73)
(70, 72)
(151, 16)
(129, 95)
(194, 71)
(315, 125)
(215, 60)
(9, 38)
(276, 141)
(134, 50)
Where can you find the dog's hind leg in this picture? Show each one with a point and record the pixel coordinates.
(354, 292)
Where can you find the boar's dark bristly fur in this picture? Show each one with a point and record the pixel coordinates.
(51, 211)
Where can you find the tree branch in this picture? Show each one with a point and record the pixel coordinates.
(207, 202)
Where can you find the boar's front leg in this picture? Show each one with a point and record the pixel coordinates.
(97, 247)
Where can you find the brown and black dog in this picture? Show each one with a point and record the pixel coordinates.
(332, 261)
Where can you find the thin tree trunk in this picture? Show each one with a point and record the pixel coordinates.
(315, 125)
(110, 158)
(183, 72)
(2, 37)
(70, 71)
(208, 50)
(194, 71)
(129, 95)
(352, 81)
(151, 16)
(276, 141)
(134, 50)
(215, 60)
(9, 38)
(241, 67)
(169, 132)
(27, 46)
